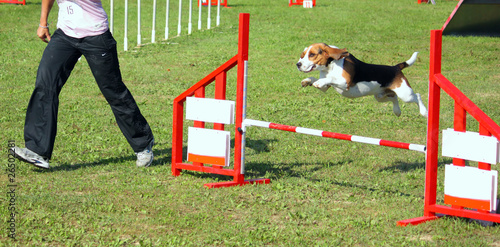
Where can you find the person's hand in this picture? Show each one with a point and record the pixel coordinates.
(43, 33)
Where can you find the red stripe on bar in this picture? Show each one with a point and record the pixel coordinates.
(394, 144)
(282, 127)
(336, 135)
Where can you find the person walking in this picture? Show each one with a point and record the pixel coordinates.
(82, 29)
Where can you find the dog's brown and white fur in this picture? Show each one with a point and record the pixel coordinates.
(353, 78)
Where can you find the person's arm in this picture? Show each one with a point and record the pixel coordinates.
(43, 28)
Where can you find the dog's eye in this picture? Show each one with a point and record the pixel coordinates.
(312, 54)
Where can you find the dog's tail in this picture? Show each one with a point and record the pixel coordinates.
(409, 62)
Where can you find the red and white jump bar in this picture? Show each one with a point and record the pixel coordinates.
(314, 132)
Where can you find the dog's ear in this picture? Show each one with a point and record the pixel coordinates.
(303, 54)
(336, 53)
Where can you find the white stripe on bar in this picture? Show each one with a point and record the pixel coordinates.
(367, 140)
(417, 147)
(251, 122)
(309, 131)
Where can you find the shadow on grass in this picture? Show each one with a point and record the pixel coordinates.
(411, 166)
(255, 170)
(259, 146)
(162, 157)
(368, 188)
(294, 169)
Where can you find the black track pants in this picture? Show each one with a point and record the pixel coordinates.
(58, 60)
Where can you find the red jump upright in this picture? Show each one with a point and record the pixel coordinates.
(198, 90)
(463, 105)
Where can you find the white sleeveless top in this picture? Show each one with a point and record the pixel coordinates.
(82, 18)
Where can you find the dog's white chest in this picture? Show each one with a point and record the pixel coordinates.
(334, 71)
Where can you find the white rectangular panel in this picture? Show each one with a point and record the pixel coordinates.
(208, 146)
(470, 146)
(210, 110)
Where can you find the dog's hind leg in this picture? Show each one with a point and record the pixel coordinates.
(406, 94)
(389, 96)
(421, 106)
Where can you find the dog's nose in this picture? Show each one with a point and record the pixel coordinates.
(299, 64)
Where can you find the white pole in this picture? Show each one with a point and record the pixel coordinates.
(166, 19)
(200, 4)
(243, 117)
(153, 32)
(180, 16)
(111, 16)
(218, 12)
(209, 8)
(125, 39)
(190, 24)
(138, 22)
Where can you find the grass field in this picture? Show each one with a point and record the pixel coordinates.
(323, 192)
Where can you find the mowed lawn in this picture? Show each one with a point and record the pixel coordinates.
(323, 192)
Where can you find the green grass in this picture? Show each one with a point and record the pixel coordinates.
(323, 192)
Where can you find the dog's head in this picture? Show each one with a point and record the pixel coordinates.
(318, 56)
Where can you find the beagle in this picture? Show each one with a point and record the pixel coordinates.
(353, 78)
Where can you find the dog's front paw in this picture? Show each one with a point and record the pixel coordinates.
(321, 86)
(306, 82)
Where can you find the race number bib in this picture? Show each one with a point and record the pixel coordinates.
(71, 13)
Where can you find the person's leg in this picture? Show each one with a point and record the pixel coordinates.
(100, 52)
(58, 60)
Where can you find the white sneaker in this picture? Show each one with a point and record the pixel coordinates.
(145, 158)
(28, 156)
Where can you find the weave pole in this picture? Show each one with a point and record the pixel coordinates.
(333, 135)
(190, 22)
(179, 26)
(139, 23)
(208, 16)
(111, 15)
(153, 31)
(166, 19)
(125, 36)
